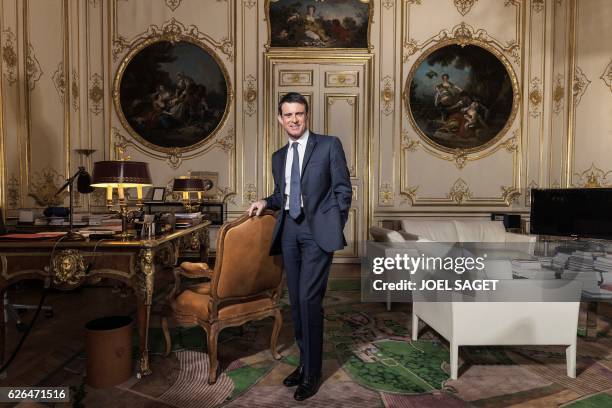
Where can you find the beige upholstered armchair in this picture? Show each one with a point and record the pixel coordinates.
(245, 285)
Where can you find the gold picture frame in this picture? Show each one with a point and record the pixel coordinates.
(200, 121)
(339, 30)
(460, 127)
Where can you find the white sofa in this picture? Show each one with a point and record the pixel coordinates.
(462, 230)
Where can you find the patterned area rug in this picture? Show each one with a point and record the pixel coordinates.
(369, 361)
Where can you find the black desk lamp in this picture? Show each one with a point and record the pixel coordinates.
(84, 187)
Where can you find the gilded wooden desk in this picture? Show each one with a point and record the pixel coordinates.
(67, 265)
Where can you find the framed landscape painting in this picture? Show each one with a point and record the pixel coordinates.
(461, 96)
(172, 95)
(319, 24)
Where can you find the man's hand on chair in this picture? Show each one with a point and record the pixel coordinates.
(257, 208)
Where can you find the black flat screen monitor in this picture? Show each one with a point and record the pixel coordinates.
(579, 212)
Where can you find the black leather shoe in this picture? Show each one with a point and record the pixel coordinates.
(308, 387)
(294, 378)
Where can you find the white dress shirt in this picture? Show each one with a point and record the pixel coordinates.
(301, 150)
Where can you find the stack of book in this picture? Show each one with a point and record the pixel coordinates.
(603, 264)
(580, 261)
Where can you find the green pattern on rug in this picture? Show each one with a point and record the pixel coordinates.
(401, 367)
(245, 377)
(376, 352)
(595, 401)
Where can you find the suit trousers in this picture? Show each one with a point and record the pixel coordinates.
(307, 268)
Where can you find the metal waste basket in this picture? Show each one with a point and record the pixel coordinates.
(108, 345)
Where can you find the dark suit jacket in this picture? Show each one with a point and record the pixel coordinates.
(325, 187)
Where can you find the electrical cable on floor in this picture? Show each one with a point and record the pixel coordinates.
(8, 362)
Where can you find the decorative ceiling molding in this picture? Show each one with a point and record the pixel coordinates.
(463, 33)
(581, 83)
(607, 75)
(9, 56)
(464, 6)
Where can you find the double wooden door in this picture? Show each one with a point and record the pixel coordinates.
(337, 90)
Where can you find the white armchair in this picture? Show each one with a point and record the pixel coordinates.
(506, 323)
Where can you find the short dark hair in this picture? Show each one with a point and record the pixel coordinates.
(292, 97)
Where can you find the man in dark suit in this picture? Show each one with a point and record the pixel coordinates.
(312, 187)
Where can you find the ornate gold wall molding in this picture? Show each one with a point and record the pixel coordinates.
(13, 192)
(537, 5)
(341, 79)
(532, 184)
(43, 186)
(387, 95)
(172, 30)
(352, 100)
(581, 83)
(558, 94)
(385, 194)
(227, 142)
(250, 193)
(292, 77)
(33, 68)
(59, 81)
(250, 95)
(463, 33)
(249, 3)
(75, 90)
(388, 4)
(96, 94)
(535, 97)
(464, 6)
(459, 192)
(9, 56)
(607, 75)
(592, 177)
(173, 4)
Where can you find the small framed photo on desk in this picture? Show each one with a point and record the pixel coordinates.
(158, 195)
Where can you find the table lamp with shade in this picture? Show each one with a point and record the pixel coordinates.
(186, 186)
(122, 174)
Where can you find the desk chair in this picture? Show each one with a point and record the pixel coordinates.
(12, 309)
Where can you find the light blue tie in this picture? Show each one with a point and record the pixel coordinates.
(294, 190)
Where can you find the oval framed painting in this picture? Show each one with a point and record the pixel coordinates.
(461, 96)
(172, 95)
